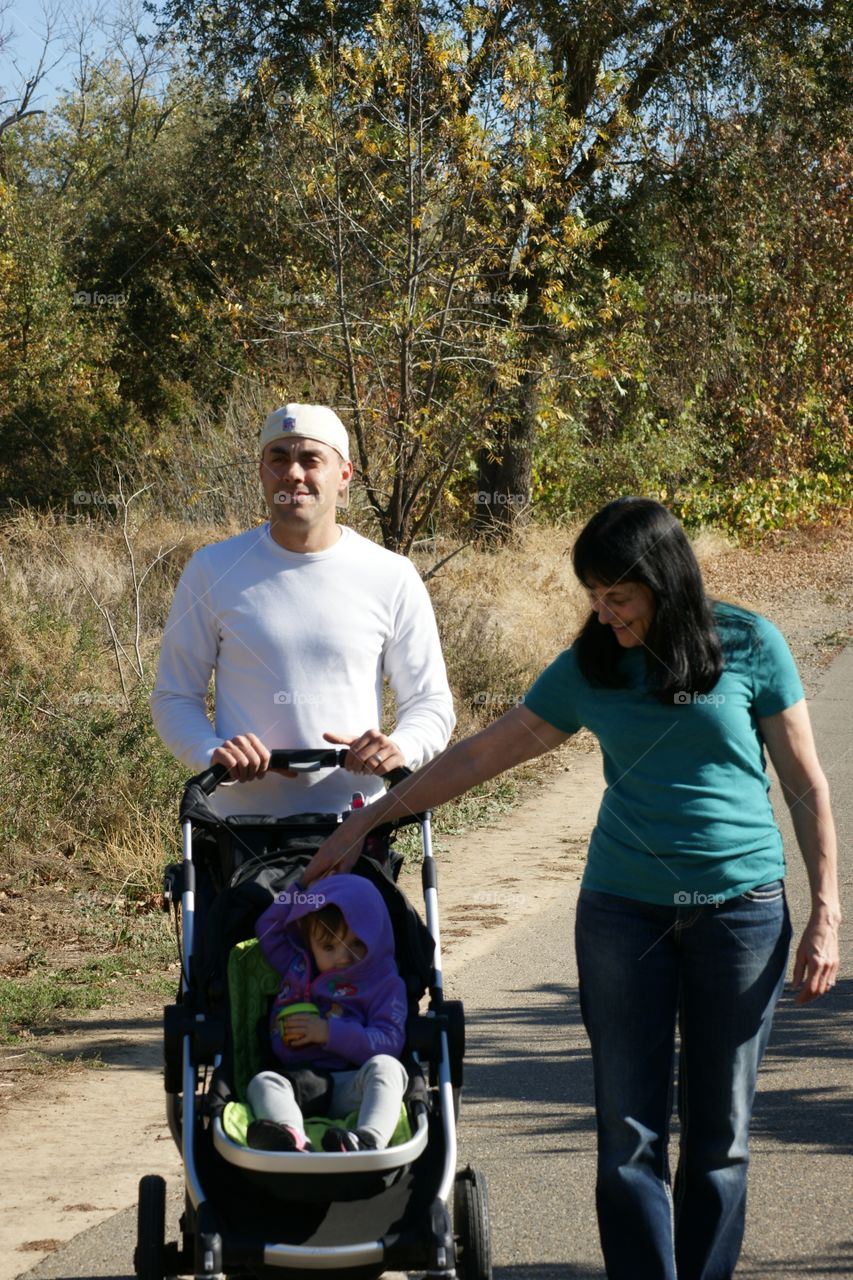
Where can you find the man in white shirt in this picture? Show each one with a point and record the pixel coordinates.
(298, 621)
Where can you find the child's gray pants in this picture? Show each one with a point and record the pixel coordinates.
(376, 1090)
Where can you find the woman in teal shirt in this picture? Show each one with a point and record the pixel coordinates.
(682, 921)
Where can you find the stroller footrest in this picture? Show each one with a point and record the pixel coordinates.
(332, 1259)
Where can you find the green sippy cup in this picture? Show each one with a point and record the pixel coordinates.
(287, 1011)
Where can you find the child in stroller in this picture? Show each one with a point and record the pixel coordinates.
(357, 1029)
(257, 1213)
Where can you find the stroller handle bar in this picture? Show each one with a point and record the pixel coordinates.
(304, 760)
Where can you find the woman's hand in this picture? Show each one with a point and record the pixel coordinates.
(339, 852)
(304, 1029)
(517, 736)
(816, 961)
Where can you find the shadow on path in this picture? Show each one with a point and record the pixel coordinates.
(836, 1262)
(535, 1050)
(810, 1047)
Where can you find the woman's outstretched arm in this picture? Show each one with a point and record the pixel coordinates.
(515, 737)
(790, 745)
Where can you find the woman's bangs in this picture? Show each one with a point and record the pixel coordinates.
(601, 564)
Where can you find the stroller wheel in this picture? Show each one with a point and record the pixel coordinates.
(148, 1258)
(471, 1226)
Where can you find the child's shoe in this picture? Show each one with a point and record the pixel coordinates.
(338, 1139)
(269, 1135)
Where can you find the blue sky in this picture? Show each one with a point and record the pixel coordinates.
(24, 28)
(27, 24)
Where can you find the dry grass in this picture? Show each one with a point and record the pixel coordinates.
(49, 559)
(503, 615)
(88, 788)
(74, 683)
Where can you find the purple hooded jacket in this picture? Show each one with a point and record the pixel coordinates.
(364, 1004)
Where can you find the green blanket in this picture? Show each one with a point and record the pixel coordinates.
(237, 1116)
(251, 983)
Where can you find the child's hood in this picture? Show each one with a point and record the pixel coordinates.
(361, 904)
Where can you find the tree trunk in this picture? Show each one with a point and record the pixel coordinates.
(503, 482)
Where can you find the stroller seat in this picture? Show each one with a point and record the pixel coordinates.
(252, 983)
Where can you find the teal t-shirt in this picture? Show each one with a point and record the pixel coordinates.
(686, 809)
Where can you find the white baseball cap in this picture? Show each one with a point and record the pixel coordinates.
(314, 421)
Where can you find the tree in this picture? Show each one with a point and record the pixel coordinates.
(58, 399)
(112, 322)
(770, 287)
(632, 91)
(463, 225)
(647, 83)
(390, 193)
(23, 90)
(235, 38)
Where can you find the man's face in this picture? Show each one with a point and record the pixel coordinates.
(302, 479)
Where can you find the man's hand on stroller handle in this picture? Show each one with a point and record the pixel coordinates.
(370, 752)
(247, 758)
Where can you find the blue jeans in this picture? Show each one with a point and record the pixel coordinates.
(716, 971)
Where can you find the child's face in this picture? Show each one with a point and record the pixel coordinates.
(336, 951)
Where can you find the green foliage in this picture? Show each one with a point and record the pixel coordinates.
(233, 37)
(722, 365)
(110, 332)
(59, 403)
(754, 506)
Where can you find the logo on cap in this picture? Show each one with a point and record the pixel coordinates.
(288, 424)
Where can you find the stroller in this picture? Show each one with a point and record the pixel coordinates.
(256, 1213)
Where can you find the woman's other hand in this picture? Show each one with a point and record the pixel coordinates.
(816, 960)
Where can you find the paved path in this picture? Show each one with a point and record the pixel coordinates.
(527, 1110)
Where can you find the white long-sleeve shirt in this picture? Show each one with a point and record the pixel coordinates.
(298, 644)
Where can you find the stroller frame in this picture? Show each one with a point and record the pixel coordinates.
(440, 1030)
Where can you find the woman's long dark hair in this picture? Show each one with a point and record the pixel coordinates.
(638, 540)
